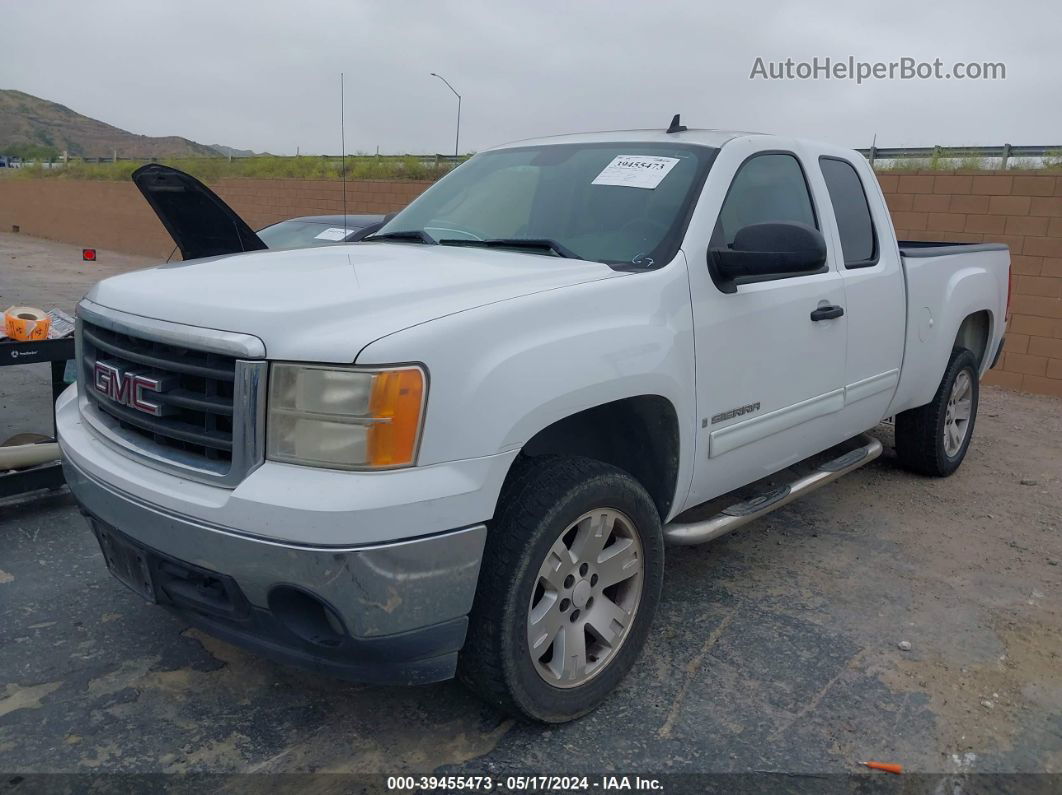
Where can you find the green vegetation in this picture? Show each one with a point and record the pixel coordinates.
(901, 164)
(30, 151)
(1051, 161)
(976, 163)
(212, 169)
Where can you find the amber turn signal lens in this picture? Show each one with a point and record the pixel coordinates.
(397, 398)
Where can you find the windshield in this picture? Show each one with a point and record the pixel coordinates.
(615, 203)
(303, 234)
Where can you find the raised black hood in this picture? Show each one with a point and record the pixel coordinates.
(199, 222)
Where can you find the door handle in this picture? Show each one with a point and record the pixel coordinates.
(827, 312)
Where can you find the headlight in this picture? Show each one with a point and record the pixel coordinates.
(344, 418)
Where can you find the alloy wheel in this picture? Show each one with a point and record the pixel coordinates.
(585, 598)
(957, 413)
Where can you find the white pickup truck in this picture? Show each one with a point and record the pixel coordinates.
(461, 444)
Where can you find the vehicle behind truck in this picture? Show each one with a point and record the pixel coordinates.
(460, 445)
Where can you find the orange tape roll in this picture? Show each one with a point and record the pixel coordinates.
(26, 324)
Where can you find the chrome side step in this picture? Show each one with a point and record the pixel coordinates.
(734, 516)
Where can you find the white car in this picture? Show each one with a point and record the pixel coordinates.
(462, 444)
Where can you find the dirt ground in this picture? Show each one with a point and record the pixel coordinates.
(47, 275)
(774, 649)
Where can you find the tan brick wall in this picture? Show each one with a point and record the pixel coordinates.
(1025, 212)
(113, 215)
(1022, 210)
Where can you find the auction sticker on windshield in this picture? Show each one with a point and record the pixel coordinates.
(332, 233)
(636, 171)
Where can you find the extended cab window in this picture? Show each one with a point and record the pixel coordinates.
(768, 187)
(854, 223)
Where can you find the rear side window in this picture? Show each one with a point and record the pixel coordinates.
(854, 222)
(767, 188)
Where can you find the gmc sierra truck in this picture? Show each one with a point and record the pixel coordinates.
(460, 445)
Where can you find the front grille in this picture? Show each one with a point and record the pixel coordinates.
(199, 405)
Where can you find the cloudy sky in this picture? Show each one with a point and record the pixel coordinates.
(264, 74)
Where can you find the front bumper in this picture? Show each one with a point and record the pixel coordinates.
(400, 608)
(300, 505)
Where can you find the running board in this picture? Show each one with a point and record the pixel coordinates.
(734, 516)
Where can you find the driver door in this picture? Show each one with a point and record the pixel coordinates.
(769, 376)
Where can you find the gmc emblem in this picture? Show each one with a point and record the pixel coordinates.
(126, 387)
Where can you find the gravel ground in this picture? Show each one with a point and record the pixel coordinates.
(783, 647)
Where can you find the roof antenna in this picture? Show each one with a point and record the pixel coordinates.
(343, 149)
(676, 126)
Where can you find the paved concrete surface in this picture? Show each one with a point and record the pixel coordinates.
(775, 649)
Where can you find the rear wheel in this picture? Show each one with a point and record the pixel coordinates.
(570, 580)
(933, 439)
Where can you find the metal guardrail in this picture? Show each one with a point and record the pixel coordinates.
(1004, 153)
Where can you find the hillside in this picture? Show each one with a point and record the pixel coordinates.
(229, 151)
(42, 127)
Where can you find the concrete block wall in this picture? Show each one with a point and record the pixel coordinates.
(113, 215)
(1023, 210)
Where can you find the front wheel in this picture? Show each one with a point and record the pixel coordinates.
(933, 439)
(570, 580)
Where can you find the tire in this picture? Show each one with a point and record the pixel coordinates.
(921, 442)
(546, 502)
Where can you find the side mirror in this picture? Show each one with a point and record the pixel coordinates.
(772, 249)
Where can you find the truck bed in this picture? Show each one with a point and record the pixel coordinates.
(947, 283)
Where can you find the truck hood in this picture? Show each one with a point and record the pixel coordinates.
(199, 222)
(326, 304)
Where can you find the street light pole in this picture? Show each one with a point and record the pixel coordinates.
(457, 140)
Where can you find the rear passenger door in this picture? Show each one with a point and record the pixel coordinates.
(769, 376)
(874, 285)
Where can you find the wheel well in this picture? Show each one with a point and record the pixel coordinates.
(638, 435)
(973, 334)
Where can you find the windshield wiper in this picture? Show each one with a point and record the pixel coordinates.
(539, 244)
(415, 235)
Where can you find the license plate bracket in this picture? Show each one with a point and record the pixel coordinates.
(127, 561)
